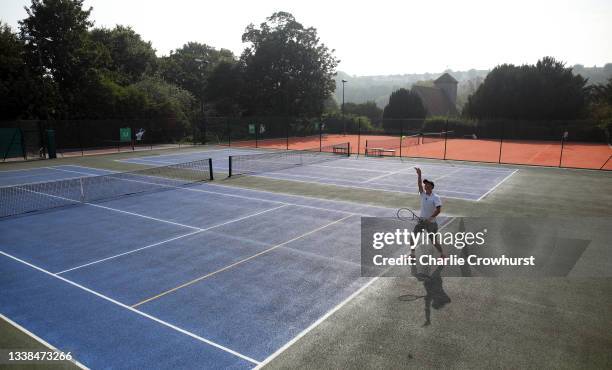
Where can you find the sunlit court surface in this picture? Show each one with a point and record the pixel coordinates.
(364, 173)
(305, 185)
(246, 271)
(220, 276)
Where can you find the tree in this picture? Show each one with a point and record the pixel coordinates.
(223, 88)
(601, 103)
(287, 70)
(17, 88)
(129, 57)
(190, 66)
(368, 109)
(403, 104)
(544, 91)
(58, 44)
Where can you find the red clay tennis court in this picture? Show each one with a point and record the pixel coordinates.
(557, 153)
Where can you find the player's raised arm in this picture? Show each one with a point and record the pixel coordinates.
(418, 171)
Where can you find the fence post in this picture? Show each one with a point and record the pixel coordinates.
(256, 134)
(445, 138)
(358, 136)
(23, 147)
(562, 145)
(41, 136)
(320, 133)
(287, 133)
(401, 137)
(229, 132)
(501, 142)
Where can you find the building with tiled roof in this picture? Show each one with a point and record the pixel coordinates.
(441, 98)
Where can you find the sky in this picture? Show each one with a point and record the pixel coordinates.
(380, 37)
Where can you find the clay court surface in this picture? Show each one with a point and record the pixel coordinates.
(529, 152)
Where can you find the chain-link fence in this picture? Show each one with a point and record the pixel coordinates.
(574, 144)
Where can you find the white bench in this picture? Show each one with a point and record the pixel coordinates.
(379, 152)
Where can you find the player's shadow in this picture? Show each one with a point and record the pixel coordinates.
(435, 296)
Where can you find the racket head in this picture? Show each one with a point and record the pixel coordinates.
(406, 214)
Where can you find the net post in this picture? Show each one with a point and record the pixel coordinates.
(210, 169)
(230, 167)
(348, 152)
(365, 152)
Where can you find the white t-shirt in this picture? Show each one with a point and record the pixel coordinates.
(429, 204)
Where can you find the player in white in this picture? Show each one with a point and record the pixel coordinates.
(431, 206)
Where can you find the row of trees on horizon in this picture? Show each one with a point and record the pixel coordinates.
(59, 66)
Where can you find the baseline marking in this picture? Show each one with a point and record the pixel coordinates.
(498, 184)
(153, 318)
(39, 340)
(323, 318)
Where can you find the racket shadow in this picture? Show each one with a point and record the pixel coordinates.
(410, 297)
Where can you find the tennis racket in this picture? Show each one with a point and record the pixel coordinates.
(406, 214)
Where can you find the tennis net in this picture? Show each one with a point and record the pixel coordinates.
(392, 143)
(282, 160)
(19, 199)
(432, 137)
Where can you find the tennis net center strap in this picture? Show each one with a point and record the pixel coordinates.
(281, 160)
(19, 199)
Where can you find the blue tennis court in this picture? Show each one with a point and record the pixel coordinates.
(196, 276)
(43, 174)
(461, 181)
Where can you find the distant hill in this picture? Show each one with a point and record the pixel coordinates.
(361, 89)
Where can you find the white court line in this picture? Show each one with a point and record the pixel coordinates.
(323, 318)
(83, 167)
(381, 176)
(89, 174)
(21, 169)
(350, 168)
(115, 209)
(486, 165)
(238, 262)
(314, 324)
(448, 174)
(171, 155)
(42, 182)
(364, 187)
(128, 252)
(153, 318)
(228, 195)
(172, 239)
(498, 184)
(188, 189)
(40, 340)
(146, 162)
(327, 181)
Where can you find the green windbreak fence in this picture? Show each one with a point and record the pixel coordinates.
(11, 143)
